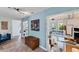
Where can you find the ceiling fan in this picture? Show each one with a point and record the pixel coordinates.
(20, 11)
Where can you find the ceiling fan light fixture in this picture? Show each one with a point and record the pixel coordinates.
(26, 13)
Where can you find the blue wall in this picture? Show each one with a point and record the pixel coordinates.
(42, 16)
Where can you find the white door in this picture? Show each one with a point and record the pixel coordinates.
(16, 28)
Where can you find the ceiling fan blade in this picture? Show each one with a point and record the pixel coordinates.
(18, 10)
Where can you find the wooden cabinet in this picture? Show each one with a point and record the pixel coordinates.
(32, 42)
(70, 47)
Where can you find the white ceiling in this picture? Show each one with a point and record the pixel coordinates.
(11, 13)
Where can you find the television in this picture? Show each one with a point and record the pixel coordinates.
(76, 29)
(76, 34)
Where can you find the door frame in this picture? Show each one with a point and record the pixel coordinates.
(48, 20)
(47, 31)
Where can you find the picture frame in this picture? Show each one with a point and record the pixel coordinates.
(35, 25)
(4, 25)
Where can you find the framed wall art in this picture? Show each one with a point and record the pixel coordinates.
(4, 25)
(35, 25)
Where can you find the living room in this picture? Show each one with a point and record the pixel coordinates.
(14, 28)
(39, 29)
(24, 29)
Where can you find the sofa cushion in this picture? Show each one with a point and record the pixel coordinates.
(4, 37)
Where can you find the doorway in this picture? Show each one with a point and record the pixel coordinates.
(25, 29)
(16, 28)
(55, 33)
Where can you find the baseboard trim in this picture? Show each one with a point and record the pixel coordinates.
(43, 48)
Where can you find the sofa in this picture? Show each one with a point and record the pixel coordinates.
(32, 42)
(5, 37)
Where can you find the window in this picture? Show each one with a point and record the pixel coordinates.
(60, 26)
